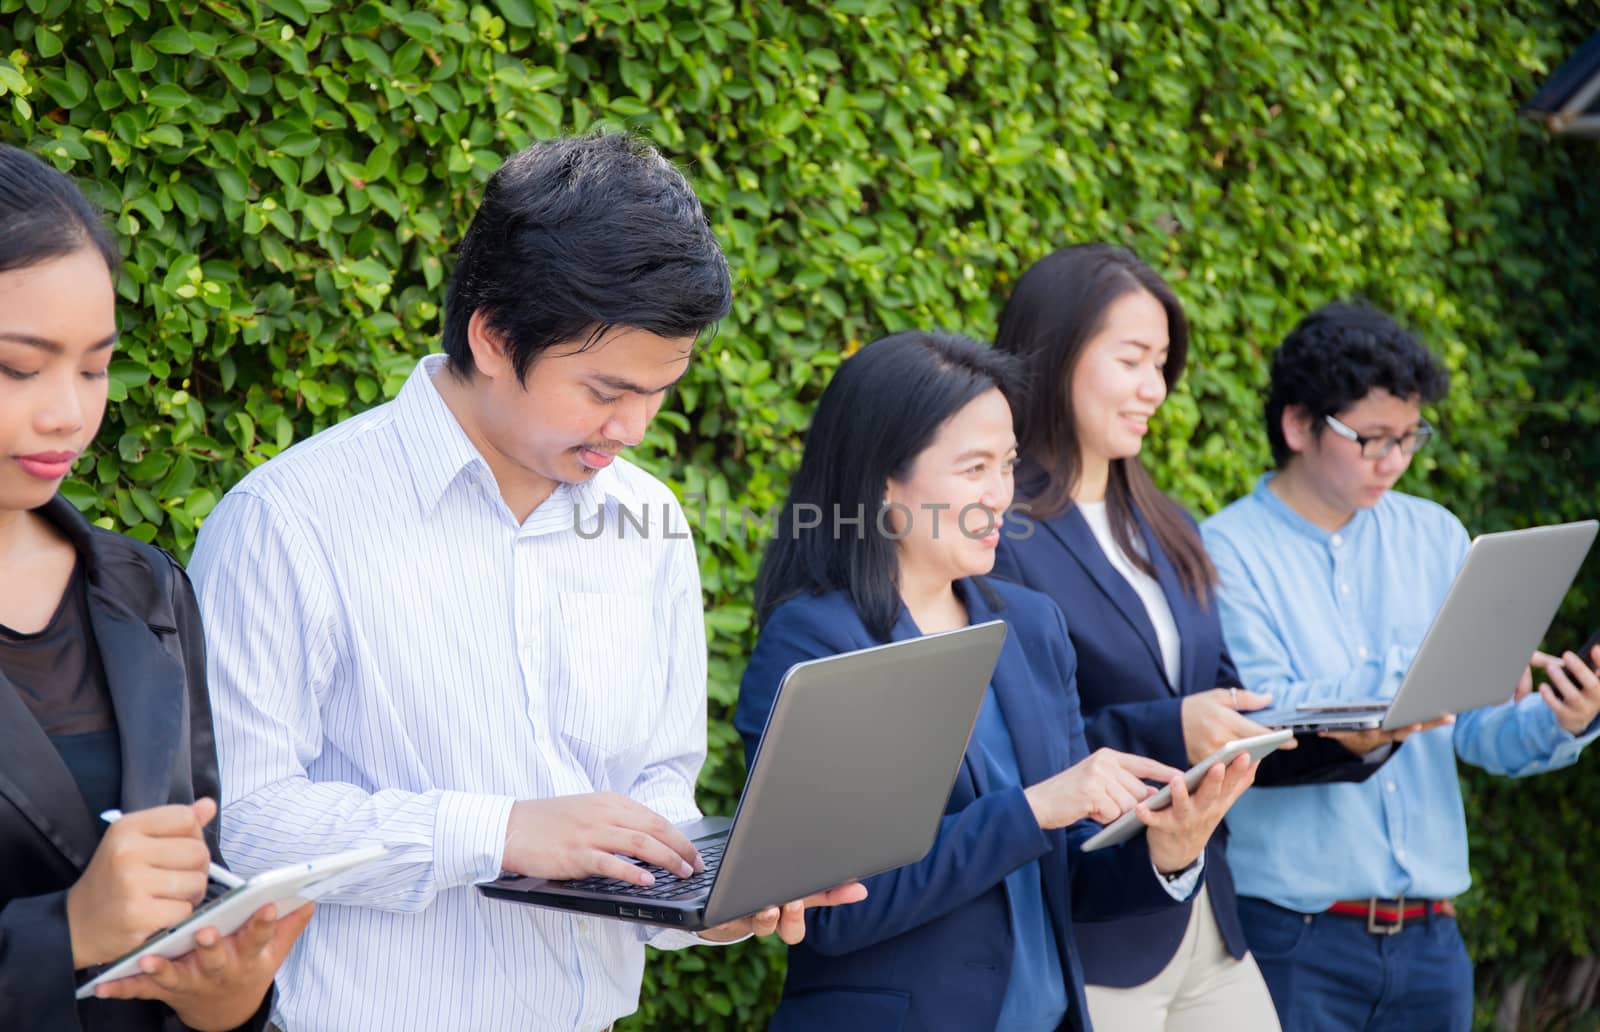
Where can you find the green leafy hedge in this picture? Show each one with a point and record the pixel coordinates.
(289, 177)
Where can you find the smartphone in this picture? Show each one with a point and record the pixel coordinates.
(1587, 652)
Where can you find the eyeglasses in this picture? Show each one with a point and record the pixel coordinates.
(1380, 446)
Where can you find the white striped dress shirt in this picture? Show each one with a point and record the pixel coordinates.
(394, 659)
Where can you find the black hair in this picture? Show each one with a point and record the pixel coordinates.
(883, 407)
(1058, 306)
(1339, 354)
(577, 235)
(43, 214)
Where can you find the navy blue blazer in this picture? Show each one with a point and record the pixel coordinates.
(930, 947)
(1129, 705)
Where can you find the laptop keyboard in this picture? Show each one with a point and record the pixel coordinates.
(667, 886)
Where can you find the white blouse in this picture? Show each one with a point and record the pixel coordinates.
(1144, 585)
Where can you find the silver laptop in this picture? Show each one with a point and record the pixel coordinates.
(851, 778)
(1499, 606)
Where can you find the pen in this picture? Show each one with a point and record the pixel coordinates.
(220, 875)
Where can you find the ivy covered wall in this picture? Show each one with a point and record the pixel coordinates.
(289, 176)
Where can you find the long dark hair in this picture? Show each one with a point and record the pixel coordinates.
(882, 409)
(43, 214)
(1059, 305)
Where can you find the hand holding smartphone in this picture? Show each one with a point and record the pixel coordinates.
(1587, 652)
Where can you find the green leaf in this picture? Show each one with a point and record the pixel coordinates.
(294, 10)
(46, 42)
(128, 374)
(167, 135)
(172, 40)
(231, 183)
(11, 80)
(299, 144)
(518, 12)
(168, 95)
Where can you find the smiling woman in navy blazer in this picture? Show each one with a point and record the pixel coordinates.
(1103, 339)
(911, 452)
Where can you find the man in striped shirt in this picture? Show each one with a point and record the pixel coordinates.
(417, 638)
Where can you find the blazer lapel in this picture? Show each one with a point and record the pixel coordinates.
(145, 685)
(1017, 697)
(1072, 530)
(37, 782)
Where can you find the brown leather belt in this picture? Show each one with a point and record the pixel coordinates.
(1389, 916)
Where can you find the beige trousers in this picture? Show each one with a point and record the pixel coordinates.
(1202, 989)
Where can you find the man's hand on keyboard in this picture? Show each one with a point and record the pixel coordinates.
(580, 835)
(789, 920)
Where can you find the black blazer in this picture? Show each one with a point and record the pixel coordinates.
(1129, 705)
(931, 946)
(147, 627)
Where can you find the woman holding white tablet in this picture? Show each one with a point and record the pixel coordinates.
(1103, 339)
(912, 442)
(102, 677)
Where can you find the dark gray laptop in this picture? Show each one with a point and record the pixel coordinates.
(1499, 606)
(853, 772)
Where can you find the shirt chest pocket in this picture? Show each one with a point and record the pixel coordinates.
(610, 685)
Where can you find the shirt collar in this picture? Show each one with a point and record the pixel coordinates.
(436, 445)
(440, 450)
(1283, 513)
(608, 485)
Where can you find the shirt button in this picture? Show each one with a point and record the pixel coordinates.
(1390, 786)
(1361, 650)
(1337, 541)
(1400, 854)
(1344, 589)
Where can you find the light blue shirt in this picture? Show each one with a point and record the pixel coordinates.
(1036, 992)
(1316, 616)
(394, 658)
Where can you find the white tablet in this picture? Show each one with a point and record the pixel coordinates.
(289, 888)
(1128, 825)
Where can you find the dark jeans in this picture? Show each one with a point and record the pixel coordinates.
(1327, 973)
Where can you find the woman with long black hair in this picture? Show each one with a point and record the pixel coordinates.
(909, 459)
(1103, 339)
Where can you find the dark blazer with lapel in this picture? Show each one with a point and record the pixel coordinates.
(1129, 705)
(930, 947)
(147, 631)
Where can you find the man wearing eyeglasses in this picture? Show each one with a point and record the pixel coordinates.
(1328, 582)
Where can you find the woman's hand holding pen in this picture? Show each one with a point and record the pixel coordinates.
(147, 874)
